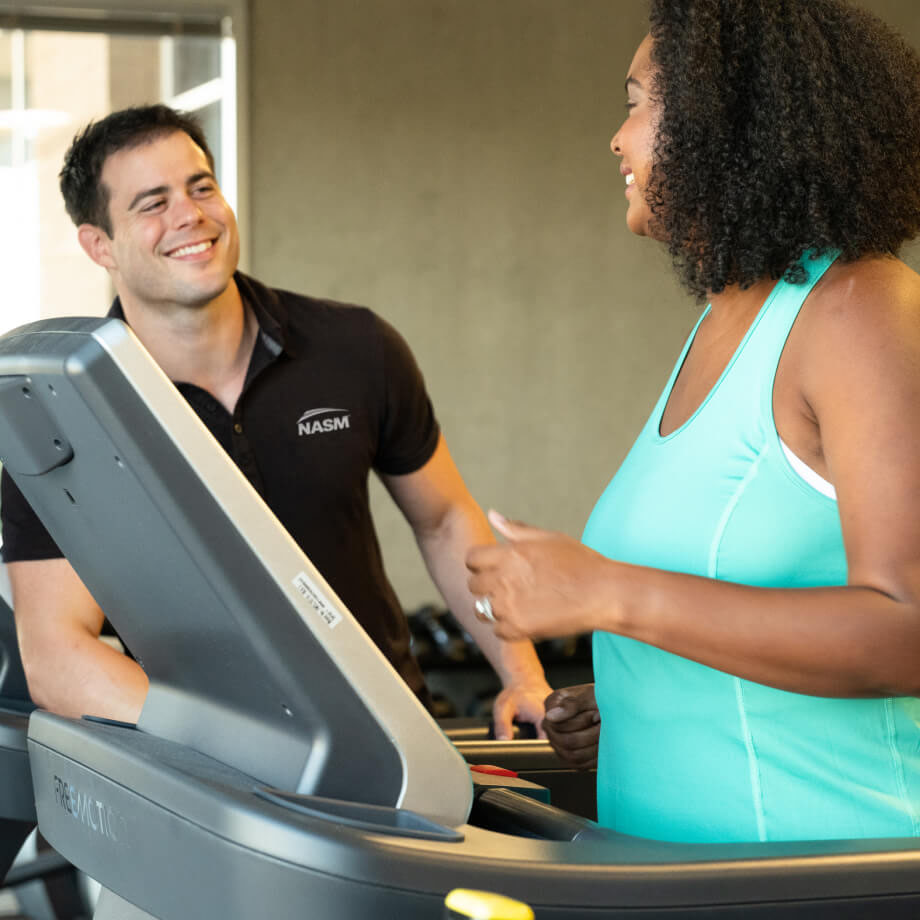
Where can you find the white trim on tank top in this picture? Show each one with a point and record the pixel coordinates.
(806, 473)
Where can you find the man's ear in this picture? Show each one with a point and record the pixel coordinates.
(97, 244)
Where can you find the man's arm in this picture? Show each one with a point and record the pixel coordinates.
(447, 522)
(69, 669)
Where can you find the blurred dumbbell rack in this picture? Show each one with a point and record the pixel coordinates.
(461, 679)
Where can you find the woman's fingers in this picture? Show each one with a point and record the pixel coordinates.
(576, 748)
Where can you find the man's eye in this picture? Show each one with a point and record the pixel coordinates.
(154, 205)
(203, 189)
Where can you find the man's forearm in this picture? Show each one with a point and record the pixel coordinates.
(85, 676)
(447, 523)
(444, 550)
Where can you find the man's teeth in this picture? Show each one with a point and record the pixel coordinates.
(630, 178)
(192, 250)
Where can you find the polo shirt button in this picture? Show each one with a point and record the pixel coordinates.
(238, 428)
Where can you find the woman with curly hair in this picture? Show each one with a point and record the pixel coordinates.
(752, 572)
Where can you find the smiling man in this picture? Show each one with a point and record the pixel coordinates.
(307, 396)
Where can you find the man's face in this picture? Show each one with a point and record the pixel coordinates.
(174, 238)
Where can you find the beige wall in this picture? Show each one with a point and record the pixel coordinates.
(446, 162)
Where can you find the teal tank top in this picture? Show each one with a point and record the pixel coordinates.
(688, 753)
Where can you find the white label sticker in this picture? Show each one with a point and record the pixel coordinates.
(331, 617)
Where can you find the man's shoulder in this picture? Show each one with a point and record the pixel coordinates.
(263, 293)
(304, 314)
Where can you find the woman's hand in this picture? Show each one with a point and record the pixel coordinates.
(540, 584)
(573, 725)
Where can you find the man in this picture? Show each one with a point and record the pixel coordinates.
(261, 368)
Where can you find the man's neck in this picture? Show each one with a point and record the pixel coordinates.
(209, 346)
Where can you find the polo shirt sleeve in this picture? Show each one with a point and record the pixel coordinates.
(24, 536)
(409, 430)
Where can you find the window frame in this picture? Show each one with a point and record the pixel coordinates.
(234, 15)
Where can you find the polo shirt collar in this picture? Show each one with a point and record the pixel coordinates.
(270, 314)
(268, 311)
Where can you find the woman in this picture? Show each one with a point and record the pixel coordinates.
(752, 572)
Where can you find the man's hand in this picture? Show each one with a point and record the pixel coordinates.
(523, 702)
(573, 725)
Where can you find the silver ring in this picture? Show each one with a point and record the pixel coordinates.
(484, 608)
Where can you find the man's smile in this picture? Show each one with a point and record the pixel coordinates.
(190, 249)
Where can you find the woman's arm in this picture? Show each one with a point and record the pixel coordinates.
(859, 354)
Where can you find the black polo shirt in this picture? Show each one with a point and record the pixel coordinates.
(331, 393)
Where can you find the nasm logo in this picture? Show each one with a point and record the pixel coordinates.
(320, 421)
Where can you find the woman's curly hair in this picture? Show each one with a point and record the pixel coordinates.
(784, 126)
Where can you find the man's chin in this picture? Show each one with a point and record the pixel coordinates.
(203, 293)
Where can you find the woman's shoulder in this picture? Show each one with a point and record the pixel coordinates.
(874, 283)
(872, 299)
(859, 332)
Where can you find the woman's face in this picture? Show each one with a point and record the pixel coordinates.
(635, 140)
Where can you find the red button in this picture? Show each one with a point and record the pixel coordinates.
(492, 770)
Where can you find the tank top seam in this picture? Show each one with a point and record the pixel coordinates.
(897, 764)
(715, 545)
(753, 762)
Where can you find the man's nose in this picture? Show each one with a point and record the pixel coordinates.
(186, 211)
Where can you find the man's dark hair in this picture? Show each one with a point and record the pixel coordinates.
(786, 126)
(85, 196)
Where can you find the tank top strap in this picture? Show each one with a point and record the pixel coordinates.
(752, 368)
(748, 377)
(774, 323)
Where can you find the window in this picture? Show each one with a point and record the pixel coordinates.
(55, 76)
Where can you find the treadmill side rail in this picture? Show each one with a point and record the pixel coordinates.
(133, 810)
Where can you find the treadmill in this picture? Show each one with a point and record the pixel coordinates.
(45, 885)
(17, 806)
(280, 767)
